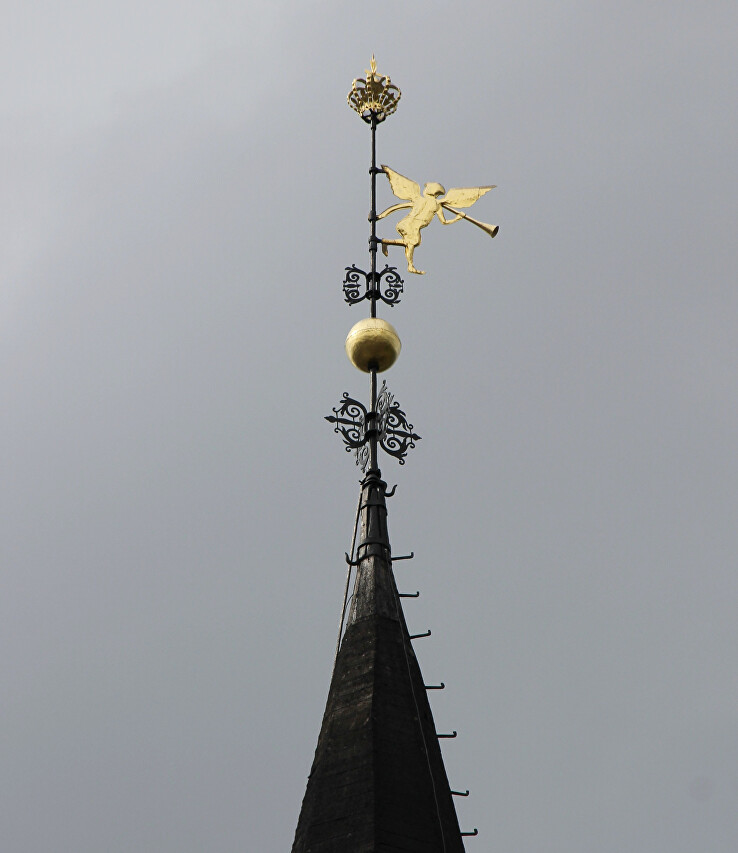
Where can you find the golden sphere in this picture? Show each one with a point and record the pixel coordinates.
(373, 342)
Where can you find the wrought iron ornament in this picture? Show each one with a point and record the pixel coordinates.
(388, 278)
(388, 424)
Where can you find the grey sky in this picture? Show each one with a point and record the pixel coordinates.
(183, 185)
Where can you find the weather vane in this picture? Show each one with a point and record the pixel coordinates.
(424, 207)
(373, 345)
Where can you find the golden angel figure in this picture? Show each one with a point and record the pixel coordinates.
(423, 207)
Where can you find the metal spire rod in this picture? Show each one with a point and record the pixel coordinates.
(372, 344)
(372, 429)
(373, 217)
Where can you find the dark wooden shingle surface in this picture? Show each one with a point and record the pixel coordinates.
(377, 784)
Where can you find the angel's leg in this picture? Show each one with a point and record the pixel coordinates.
(386, 243)
(409, 249)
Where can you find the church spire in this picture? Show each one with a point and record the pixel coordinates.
(378, 782)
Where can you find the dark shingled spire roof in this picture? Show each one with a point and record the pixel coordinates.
(377, 784)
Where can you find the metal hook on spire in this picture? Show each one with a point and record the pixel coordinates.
(420, 636)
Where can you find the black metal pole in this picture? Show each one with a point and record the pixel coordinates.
(373, 460)
(373, 218)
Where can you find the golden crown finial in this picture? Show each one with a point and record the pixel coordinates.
(373, 96)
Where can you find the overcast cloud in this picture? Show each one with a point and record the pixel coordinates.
(182, 187)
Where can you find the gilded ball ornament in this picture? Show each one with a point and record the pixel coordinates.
(373, 342)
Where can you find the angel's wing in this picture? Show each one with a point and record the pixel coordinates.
(402, 187)
(464, 196)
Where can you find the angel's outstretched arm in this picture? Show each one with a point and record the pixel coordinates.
(393, 209)
(445, 221)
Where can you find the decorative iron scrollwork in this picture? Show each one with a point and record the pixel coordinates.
(351, 287)
(362, 456)
(392, 282)
(384, 401)
(399, 436)
(385, 285)
(350, 421)
(393, 432)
